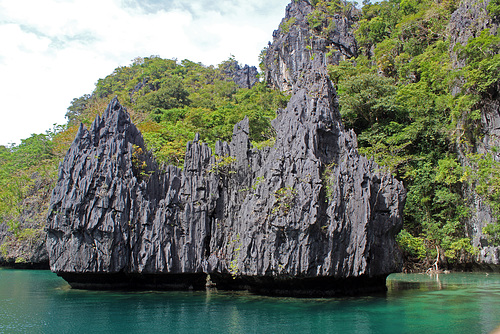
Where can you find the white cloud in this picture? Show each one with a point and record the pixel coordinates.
(55, 50)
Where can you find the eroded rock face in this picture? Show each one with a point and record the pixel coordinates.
(24, 246)
(298, 46)
(467, 22)
(307, 216)
(244, 77)
(309, 207)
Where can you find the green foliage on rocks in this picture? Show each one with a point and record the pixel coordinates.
(483, 61)
(319, 19)
(400, 96)
(494, 8)
(27, 176)
(285, 199)
(485, 174)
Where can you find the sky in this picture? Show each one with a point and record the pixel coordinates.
(52, 51)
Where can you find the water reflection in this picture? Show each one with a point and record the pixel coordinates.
(443, 281)
(462, 299)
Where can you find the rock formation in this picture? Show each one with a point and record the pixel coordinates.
(297, 45)
(22, 241)
(470, 18)
(244, 77)
(307, 216)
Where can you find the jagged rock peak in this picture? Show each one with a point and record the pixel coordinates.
(100, 180)
(115, 119)
(244, 77)
(298, 46)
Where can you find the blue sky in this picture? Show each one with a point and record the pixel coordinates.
(52, 51)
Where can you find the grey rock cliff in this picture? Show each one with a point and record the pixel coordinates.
(467, 22)
(297, 45)
(308, 216)
(24, 246)
(244, 77)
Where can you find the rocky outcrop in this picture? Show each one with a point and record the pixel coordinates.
(307, 216)
(298, 44)
(244, 77)
(26, 252)
(467, 22)
(22, 235)
(309, 207)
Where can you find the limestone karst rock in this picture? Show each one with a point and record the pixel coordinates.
(244, 77)
(27, 249)
(307, 216)
(297, 45)
(470, 18)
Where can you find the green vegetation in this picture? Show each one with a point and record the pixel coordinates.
(27, 177)
(223, 165)
(235, 255)
(397, 96)
(285, 26)
(170, 102)
(320, 19)
(285, 200)
(24, 169)
(493, 8)
(328, 182)
(485, 173)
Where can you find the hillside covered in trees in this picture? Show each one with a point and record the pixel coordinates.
(416, 93)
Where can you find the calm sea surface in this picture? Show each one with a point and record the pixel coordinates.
(41, 302)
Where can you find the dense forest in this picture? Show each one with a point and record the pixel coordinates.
(411, 94)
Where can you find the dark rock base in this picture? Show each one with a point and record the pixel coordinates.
(122, 281)
(477, 267)
(44, 265)
(264, 285)
(318, 287)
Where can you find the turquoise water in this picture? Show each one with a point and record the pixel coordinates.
(41, 302)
